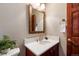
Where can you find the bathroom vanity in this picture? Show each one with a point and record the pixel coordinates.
(45, 47)
(53, 51)
(35, 47)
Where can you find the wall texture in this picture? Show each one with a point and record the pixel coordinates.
(55, 12)
(14, 22)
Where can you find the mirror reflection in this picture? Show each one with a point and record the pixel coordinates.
(36, 20)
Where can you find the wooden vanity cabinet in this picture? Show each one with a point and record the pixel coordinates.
(28, 53)
(54, 51)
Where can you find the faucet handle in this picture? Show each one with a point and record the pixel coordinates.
(46, 38)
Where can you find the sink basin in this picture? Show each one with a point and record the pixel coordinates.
(44, 42)
(38, 47)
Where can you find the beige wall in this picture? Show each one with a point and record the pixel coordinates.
(14, 22)
(55, 12)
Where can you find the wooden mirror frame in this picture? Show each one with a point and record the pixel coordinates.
(30, 22)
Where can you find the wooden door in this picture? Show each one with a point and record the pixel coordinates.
(73, 29)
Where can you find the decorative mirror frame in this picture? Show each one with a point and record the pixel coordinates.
(30, 18)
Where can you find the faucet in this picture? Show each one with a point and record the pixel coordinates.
(46, 38)
(40, 37)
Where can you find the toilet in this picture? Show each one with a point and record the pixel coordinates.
(13, 52)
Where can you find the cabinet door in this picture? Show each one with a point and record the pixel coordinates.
(29, 53)
(54, 51)
(47, 53)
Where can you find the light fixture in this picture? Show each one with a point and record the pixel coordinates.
(38, 6)
(35, 5)
(42, 7)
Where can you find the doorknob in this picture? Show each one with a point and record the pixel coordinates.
(69, 39)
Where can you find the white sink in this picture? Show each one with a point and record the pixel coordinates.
(44, 42)
(40, 47)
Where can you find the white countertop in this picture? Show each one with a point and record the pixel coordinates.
(39, 48)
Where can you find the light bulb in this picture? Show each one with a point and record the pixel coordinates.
(42, 7)
(35, 5)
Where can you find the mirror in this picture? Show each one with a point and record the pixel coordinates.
(36, 20)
